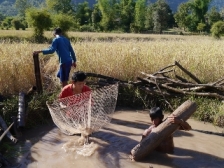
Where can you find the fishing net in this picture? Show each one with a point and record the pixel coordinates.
(86, 112)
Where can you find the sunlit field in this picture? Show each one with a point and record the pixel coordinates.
(124, 57)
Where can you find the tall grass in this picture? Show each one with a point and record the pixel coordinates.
(122, 59)
(121, 56)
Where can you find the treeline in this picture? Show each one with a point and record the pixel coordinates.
(136, 16)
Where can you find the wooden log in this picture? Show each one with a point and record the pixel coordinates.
(165, 129)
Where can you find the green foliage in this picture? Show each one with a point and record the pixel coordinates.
(36, 110)
(201, 27)
(16, 23)
(10, 108)
(162, 15)
(87, 28)
(213, 16)
(83, 13)
(65, 22)
(200, 7)
(207, 108)
(182, 15)
(127, 14)
(107, 12)
(6, 23)
(191, 13)
(60, 6)
(217, 29)
(149, 17)
(96, 17)
(139, 17)
(40, 20)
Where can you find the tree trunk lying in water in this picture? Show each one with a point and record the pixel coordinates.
(162, 131)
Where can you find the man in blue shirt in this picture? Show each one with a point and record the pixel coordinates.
(66, 55)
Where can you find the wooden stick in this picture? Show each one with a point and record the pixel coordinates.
(188, 73)
(104, 77)
(160, 71)
(220, 80)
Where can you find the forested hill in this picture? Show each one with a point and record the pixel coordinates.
(219, 4)
(7, 6)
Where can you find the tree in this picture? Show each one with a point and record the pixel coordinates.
(213, 16)
(149, 17)
(191, 13)
(60, 6)
(83, 13)
(201, 27)
(139, 17)
(200, 8)
(106, 10)
(182, 15)
(21, 6)
(16, 23)
(162, 15)
(40, 20)
(7, 22)
(96, 16)
(65, 22)
(217, 29)
(126, 14)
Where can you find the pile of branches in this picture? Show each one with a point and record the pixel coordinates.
(163, 83)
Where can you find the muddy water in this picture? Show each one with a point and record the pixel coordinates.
(195, 148)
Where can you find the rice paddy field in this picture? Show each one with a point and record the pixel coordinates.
(121, 56)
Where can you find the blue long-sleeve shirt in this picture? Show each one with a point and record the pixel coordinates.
(63, 48)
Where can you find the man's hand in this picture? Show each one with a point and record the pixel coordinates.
(173, 119)
(37, 52)
(74, 64)
(184, 125)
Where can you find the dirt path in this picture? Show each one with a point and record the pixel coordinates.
(42, 147)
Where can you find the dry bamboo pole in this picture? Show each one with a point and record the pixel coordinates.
(141, 150)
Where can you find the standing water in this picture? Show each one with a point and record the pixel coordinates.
(109, 147)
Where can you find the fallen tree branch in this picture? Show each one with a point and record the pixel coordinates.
(160, 71)
(183, 84)
(105, 77)
(188, 73)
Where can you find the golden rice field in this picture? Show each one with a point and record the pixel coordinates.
(123, 58)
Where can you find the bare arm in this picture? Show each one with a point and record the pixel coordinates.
(183, 124)
(147, 132)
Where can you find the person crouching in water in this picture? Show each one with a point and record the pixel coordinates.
(156, 115)
(79, 88)
(76, 87)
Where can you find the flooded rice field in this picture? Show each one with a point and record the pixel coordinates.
(46, 146)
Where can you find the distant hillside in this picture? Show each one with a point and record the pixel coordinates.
(7, 6)
(175, 3)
